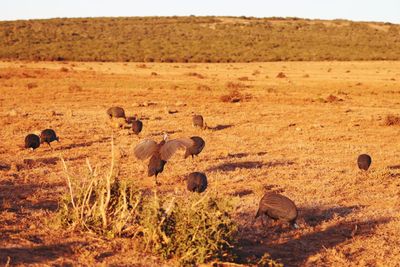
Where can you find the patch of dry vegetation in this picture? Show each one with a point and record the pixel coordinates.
(392, 120)
(235, 96)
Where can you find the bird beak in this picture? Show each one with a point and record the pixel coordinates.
(296, 226)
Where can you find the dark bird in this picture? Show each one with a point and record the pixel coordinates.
(48, 136)
(198, 121)
(278, 207)
(137, 126)
(116, 112)
(159, 153)
(130, 120)
(32, 141)
(196, 148)
(364, 161)
(197, 182)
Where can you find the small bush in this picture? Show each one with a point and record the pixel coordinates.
(141, 66)
(332, 99)
(203, 87)
(31, 85)
(392, 120)
(64, 69)
(236, 86)
(244, 78)
(281, 75)
(74, 88)
(195, 74)
(235, 96)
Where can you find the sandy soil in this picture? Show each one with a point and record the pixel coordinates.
(291, 136)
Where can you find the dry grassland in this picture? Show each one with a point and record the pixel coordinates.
(299, 135)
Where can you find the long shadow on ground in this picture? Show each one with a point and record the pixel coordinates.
(35, 254)
(255, 241)
(231, 166)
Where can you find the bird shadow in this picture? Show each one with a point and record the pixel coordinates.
(33, 163)
(242, 192)
(83, 144)
(315, 215)
(239, 155)
(394, 167)
(232, 166)
(255, 242)
(219, 127)
(4, 166)
(17, 195)
(168, 132)
(37, 254)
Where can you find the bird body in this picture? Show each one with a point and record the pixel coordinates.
(196, 148)
(278, 207)
(156, 166)
(116, 112)
(32, 141)
(364, 161)
(198, 121)
(137, 126)
(48, 136)
(197, 182)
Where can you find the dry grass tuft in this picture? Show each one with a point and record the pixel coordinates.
(392, 120)
(31, 85)
(236, 86)
(203, 87)
(244, 78)
(141, 66)
(235, 96)
(64, 69)
(195, 74)
(73, 88)
(281, 75)
(332, 99)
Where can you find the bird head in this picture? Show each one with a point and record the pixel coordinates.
(165, 136)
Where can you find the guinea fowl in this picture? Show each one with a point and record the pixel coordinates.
(116, 112)
(159, 153)
(32, 141)
(364, 161)
(196, 148)
(197, 182)
(278, 207)
(48, 136)
(198, 121)
(137, 126)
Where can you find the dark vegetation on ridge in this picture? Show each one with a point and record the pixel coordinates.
(198, 39)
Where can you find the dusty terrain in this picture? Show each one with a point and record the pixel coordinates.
(290, 135)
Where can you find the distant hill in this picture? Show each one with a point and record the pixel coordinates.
(198, 39)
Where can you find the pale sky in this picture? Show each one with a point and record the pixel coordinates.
(358, 10)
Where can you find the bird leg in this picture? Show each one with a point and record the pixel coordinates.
(155, 181)
(50, 146)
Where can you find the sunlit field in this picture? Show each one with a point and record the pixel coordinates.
(295, 128)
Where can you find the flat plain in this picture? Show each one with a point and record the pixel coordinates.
(299, 135)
